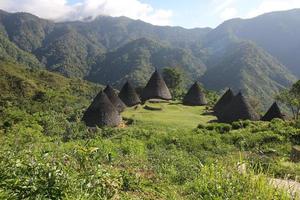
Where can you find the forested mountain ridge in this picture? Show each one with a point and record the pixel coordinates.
(112, 50)
(137, 60)
(245, 67)
(276, 32)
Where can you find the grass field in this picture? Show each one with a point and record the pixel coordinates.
(172, 115)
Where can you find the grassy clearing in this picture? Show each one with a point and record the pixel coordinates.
(172, 115)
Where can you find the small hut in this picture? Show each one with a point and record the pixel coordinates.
(238, 109)
(129, 96)
(223, 101)
(101, 113)
(272, 113)
(156, 88)
(195, 96)
(114, 99)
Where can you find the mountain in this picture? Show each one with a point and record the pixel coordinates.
(243, 66)
(137, 60)
(256, 55)
(71, 48)
(276, 32)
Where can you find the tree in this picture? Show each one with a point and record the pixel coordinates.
(174, 78)
(291, 98)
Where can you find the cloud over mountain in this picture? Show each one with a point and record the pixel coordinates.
(61, 10)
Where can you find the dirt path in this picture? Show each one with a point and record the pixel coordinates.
(292, 187)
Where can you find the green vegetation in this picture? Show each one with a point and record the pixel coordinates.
(175, 80)
(244, 66)
(291, 98)
(137, 60)
(175, 153)
(113, 50)
(170, 152)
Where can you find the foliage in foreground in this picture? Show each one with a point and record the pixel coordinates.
(46, 153)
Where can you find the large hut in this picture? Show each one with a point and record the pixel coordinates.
(238, 109)
(129, 96)
(195, 96)
(223, 101)
(101, 113)
(114, 99)
(272, 113)
(156, 88)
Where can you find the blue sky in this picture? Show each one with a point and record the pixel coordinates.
(201, 13)
(187, 13)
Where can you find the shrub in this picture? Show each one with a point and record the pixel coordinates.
(219, 127)
(32, 179)
(240, 124)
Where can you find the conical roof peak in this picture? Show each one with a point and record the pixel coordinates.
(195, 96)
(156, 88)
(238, 109)
(272, 113)
(128, 95)
(115, 100)
(101, 112)
(224, 101)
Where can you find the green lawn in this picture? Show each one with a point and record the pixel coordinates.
(173, 115)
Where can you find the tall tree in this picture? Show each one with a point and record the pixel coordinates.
(174, 78)
(291, 98)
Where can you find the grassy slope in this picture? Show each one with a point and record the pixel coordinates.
(19, 81)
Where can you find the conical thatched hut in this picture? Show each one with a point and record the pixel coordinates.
(238, 109)
(114, 99)
(272, 113)
(195, 96)
(156, 88)
(101, 112)
(224, 101)
(129, 96)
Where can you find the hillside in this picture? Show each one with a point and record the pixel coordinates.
(137, 60)
(245, 67)
(276, 32)
(71, 47)
(23, 87)
(111, 50)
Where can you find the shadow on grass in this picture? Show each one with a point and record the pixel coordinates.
(213, 121)
(208, 113)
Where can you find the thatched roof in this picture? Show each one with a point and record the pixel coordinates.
(114, 99)
(224, 101)
(195, 96)
(272, 113)
(101, 112)
(238, 109)
(156, 88)
(129, 96)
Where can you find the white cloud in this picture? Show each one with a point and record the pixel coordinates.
(60, 10)
(273, 5)
(50, 9)
(228, 13)
(221, 5)
(225, 9)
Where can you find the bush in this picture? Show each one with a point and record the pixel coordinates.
(32, 180)
(240, 124)
(219, 127)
